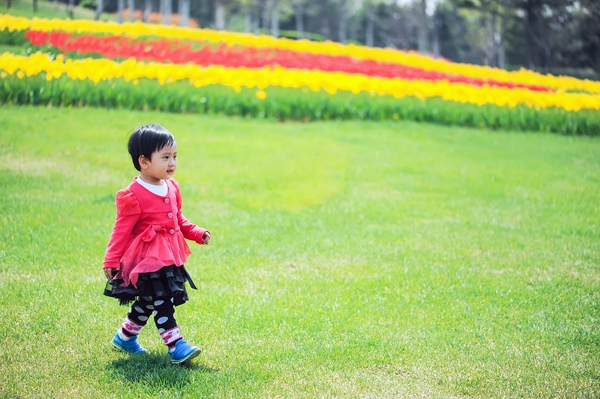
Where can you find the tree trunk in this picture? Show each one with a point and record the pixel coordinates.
(325, 30)
(169, 8)
(275, 18)
(184, 12)
(299, 8)
(423, 26)
(35, 6)
(436, 35)
(219, 15)
(71, 7)
(529, 41)
(265, 16)
(342, 12)
(99, 9)
(495, 37)
(596, 65)
(408, 31)
(120, 7)
(486, 47)
(8, 4)
(501, 46)
(165, 12)
(595, 34)
(343, 29)
(147, 10)
(370, 31)
(131, 8)
(248, 17)
(255, 17)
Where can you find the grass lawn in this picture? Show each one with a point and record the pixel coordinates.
(348, 260)
(46, 9)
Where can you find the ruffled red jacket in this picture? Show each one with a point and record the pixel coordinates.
(149, 232)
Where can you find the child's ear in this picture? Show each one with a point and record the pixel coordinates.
(143, 162)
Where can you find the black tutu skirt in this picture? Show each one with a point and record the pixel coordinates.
(168, 282)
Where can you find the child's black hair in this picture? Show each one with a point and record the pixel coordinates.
(147, 139)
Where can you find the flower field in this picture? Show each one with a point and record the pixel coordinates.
(143, 66)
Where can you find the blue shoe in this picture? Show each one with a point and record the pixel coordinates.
(183, 352)
(130, 346)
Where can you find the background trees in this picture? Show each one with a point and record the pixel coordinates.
(560, 36)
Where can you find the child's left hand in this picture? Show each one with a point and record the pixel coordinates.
(206, 238)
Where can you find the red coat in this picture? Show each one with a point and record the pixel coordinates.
(149, 232)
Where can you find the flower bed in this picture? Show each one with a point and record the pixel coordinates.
(103, 64)
(411, 59)
(120, 47)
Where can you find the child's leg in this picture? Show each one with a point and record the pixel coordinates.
(126, 337)
(137, 317)
(164, 318)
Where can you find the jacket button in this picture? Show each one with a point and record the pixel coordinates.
(170, 215)
(166, 200)
(171, 231)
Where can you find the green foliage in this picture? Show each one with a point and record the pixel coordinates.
(91, 4)
(289, 104)
(292, 34)
(15, 38)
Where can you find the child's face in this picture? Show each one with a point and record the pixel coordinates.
(161, 166)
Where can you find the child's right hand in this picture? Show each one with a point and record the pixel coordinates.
(109, 273)
(205, 238)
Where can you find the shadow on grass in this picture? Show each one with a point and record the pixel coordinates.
(156, 369)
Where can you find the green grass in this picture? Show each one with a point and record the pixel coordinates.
(46, 9)
(10, 48)
(348, 260)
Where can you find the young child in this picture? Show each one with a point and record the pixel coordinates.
(147, 248)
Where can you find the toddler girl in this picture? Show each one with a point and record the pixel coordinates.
(147, 248)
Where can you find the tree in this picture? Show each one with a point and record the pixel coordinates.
(437, 22)
(345, 10)
(370, 29)
(147, 10)
(248, 9)
(183, 8)
(120, 7)
(502, 39)
(298, 6)
(99, 9)
(548, 27)
(589, 22)
(264, 5)
(219, 15)
(274, 17)
(452, 31)
(131, 8)
(423, 26)
(531, 9)
(165, 12)
(486, 29)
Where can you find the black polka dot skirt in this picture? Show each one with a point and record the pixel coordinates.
(168, 282)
